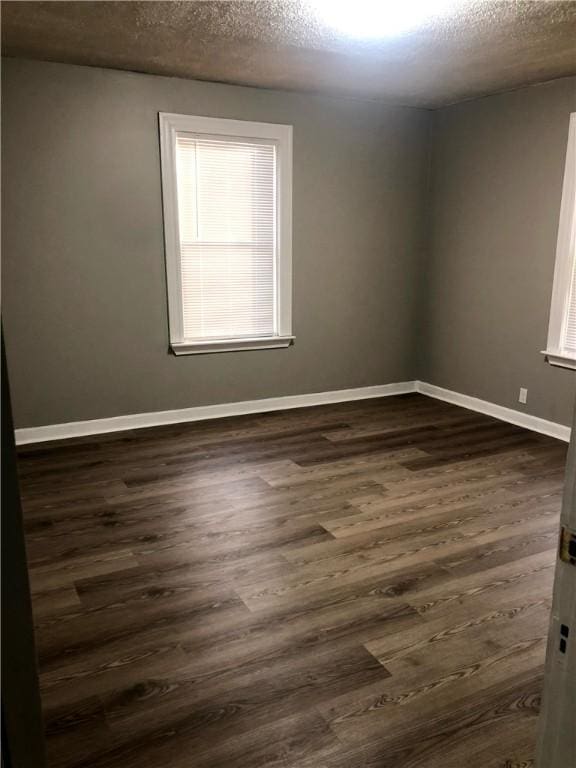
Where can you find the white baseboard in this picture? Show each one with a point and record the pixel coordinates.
(534, 423)
(203, 412)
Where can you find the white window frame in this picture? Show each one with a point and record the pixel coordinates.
(554, 352)
(281, 135)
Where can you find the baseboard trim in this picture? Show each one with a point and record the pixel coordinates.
(534, 423)
(204, 412)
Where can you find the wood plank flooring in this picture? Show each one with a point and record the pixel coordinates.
(362, 585)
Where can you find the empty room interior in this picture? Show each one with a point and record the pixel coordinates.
(289, 341)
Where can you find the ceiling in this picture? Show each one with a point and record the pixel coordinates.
(474, 48)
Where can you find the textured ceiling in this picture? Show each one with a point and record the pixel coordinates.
(475, 48)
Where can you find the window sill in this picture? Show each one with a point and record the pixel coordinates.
(230, 345)
(559, 359)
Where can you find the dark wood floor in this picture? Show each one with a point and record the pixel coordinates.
(364, 585)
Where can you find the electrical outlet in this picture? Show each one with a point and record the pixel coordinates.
(523, 396)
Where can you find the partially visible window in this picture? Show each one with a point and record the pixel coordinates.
(227, 187)
(561, 348)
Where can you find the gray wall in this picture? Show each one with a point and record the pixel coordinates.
(84, 286)
(398, 273)
(497, 168)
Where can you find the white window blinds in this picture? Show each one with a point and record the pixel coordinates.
(227, 222)
(569, 329)
(227, 209)
(561, 347)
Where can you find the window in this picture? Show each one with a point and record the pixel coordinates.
(561, 348)
(227, 189)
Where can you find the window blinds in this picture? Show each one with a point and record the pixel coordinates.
(569, 326)
(227, 212)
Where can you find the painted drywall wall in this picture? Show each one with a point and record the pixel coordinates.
(397, 275)
(496, 184)
(85, 313)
